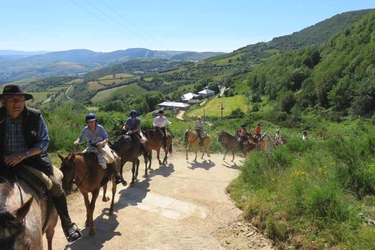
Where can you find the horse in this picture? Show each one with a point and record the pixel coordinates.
(233, 144)
(260, 143)
(155, 140)
(192, 138)
(84, 170)
(129, 149)
(24, 215)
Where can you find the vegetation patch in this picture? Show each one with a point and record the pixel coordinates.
(219, 107)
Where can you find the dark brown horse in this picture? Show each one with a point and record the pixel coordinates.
(85, 171)
(233, 145)
(155, 142)
(23, 216)
(192, 138)
(129, 149)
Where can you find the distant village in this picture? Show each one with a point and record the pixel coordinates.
(186, 100)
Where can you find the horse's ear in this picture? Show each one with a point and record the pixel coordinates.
(60, 156)
(24, 209)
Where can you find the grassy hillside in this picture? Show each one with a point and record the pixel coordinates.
(212, 108)
(133, 89)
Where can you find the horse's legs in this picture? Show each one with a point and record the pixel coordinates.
(122, 177)
(87, 205)
(50, 231)
(158, 156)
(105, 198)
(146, 173)
(196, 152)
(225, 154)
(135, 168)
(233, 151)
(187, 151)
(114, 187)
(95, 194)
(165, 161)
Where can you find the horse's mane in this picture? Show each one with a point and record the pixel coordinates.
(231, 136)
(7, 220)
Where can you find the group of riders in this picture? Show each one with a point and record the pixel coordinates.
(24, 140)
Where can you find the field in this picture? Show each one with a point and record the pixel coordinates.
(212, 108)
(103, 95)
(116, 78)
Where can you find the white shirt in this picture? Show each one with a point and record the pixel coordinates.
(161, 121)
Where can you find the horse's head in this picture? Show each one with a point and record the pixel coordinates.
(187, 133)
(68, 168)
(123, 142)
(13, 232)
(221, 136)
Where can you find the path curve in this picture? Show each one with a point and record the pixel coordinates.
(182, 205)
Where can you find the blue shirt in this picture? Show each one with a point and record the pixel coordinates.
(93, 137)
(14, 140)
(133, 124)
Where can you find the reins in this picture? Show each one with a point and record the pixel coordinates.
(74, 175)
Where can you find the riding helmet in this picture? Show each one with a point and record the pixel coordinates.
(133, 113)
(243, 125)
(91, 117)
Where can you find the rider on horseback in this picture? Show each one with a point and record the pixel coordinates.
(97, 139)
(160, 122)
(24, 140)
(243, 137)
(133, 126)
(257, 132)
(199, 129)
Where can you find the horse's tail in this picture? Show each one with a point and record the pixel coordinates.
(170, 149)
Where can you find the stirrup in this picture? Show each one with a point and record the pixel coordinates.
(72, 233)
(118, 179)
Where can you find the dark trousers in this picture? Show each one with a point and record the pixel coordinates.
(165, 136)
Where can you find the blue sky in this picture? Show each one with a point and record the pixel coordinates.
(193, 25)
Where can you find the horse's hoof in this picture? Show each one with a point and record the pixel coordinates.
(124, 183)
(110, 212)
(92, 233)
(105, 199)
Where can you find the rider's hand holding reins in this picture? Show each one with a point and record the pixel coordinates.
(14, 159)
(101, 144)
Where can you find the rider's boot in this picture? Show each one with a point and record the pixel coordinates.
(113, 171)
(71, 231)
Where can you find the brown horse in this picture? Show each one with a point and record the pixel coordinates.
(129, 149)
(155, 140)
(233, 145)
(192, 138)
(23, 216)
(85, 171)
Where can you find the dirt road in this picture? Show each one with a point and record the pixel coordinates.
(182, 205)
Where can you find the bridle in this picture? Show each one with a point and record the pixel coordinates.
(74, 176)
(196, 136)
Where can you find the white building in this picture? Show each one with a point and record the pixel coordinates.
(206, 93)
(189, 96)
(174, 105)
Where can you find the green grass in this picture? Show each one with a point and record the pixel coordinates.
(103, 95)
(212, 108)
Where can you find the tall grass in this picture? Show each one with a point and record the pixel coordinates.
(310, 195)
